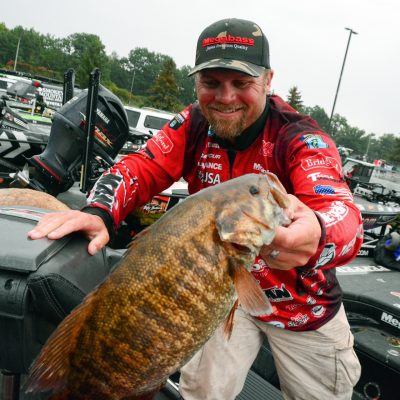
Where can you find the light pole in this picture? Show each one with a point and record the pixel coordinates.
(16, 54)
(340, 77)
(133, 79)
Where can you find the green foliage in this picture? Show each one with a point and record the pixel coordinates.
(87, 53)
(294, 98)
(146, 78)
(124, 95)
(164, 93)
(187, 93)
(144, 67)
(319, 115)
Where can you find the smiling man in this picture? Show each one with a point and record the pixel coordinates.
(235, 128)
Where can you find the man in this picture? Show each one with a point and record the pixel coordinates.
(238, 128)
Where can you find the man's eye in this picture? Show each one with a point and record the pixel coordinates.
(240, 84)
(210, 84)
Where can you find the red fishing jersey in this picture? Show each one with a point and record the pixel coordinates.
(282, 141)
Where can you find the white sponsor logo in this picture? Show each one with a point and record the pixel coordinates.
(210, 155)
(327, 255)
(348, 247)
(318, 311)
(360, 269)
(311, 300)
(210, 165)
(163, 142)
(389, 319)
(320, 161)
(298, 319)
(259, 265)
(209, 177)
(338, 211)
(103, 116)
(259, 167)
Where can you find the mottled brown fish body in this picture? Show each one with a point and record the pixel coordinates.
(173, 288)
(32, 198)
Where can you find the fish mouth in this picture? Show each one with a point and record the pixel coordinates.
(242, 249)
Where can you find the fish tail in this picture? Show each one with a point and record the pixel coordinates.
(50, 371)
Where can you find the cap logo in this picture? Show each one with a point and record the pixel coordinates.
(228, 39)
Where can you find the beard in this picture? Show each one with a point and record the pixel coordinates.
(224, 128)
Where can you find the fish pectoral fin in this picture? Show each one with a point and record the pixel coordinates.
(251, 297)
(278, 191)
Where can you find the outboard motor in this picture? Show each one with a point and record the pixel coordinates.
(56, 168)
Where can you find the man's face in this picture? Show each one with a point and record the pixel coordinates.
(231, 100)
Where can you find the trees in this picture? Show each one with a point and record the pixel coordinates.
(86, 53)
(148, 78)
(294, 98)
(319, 114)
(164, 93)
(145, 66)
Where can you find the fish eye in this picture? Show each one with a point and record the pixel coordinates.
(254, 190)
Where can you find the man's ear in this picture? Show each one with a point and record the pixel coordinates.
(269, 79)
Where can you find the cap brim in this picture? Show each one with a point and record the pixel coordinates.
(236, 65)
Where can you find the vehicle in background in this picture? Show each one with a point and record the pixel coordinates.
(147, 120)
(143, 124)
(6, 80)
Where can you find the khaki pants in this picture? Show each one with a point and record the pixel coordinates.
(318, 364)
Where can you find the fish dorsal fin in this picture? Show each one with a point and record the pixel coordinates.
(251, 297)
(50, 370)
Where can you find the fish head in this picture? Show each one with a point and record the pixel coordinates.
(254, 206)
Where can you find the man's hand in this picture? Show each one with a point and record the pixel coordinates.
(56, 225)
(296, 243)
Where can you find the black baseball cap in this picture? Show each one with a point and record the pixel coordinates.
(235, 44)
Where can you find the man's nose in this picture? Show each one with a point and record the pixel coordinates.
(225, 94)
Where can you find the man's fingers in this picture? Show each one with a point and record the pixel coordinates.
(47, 224)
(98, 242)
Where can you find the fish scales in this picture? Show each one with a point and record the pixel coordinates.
(170, 292)
(30, 197)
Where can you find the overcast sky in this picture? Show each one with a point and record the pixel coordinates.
(307, 43)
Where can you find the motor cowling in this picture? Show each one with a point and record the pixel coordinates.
(56, 166)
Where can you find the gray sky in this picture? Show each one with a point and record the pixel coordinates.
(307, 43)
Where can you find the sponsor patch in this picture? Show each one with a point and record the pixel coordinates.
(267, 148)
(177, 121)
(278, 294)
(313, 141)
(298, 320)
(329, 190)
(320, 161)
(318, 311)
(163, 142)
(327, 255)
